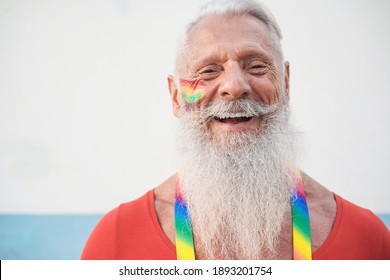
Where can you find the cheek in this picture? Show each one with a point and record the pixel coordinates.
(192, 93)
(268, 89)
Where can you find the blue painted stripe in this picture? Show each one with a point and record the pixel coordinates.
(44, 237)
(385, 217)
(53, 237)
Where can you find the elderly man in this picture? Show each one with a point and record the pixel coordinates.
(237, 194)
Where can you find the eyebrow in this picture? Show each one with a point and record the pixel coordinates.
(259, 55)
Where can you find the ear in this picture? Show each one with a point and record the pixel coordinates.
(174, 91)
(287, 78)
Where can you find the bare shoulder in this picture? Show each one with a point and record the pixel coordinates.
(164, 200)
(322, 209)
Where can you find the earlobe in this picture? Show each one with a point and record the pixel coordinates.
(287, 78)
(174, 92)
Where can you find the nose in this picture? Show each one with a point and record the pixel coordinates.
(234, 84)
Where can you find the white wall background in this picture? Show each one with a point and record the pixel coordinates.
(85, 116)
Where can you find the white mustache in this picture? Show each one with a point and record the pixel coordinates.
(242, 108)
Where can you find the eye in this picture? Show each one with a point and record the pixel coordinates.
(209, 72)
(256, 67)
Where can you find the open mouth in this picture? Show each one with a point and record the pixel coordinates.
(234, 120)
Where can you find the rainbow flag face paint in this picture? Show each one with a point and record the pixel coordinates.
(192, 91)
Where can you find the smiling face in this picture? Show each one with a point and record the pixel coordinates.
(234, 141)
(229, 58)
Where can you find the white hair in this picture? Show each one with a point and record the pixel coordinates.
(231, 8)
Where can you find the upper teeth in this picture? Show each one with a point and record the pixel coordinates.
(234, 115)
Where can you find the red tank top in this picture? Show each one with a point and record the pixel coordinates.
(132, 232)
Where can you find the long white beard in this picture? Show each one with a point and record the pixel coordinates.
(237, 185)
